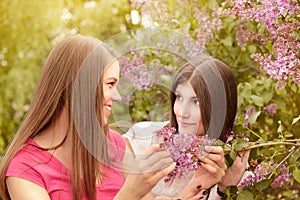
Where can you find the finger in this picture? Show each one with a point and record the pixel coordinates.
(214, 149)
(164, 198)
(202, 194)
(214, 157)
(216, 160)
(213, 167)
(160, 164)
(245, 156)
(159, 175)
(149, 151)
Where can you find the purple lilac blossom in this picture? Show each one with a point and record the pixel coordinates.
(249, 112)
(282, 179)
(261, 173)
(271, 109)
(283, 62)
(184, 149)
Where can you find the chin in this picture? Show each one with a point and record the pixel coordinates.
(187, 131)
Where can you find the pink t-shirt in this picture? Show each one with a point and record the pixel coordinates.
(42, 168)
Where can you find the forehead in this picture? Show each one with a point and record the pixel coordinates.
(112, 70)
(186, 89)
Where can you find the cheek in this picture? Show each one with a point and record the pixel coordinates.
(106, 93)
(176, 108)
(200, 124)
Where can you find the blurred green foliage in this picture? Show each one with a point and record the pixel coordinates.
(29, 30)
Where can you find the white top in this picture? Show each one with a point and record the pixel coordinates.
(141, 136)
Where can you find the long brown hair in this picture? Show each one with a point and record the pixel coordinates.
(200, 72)
(54, 92)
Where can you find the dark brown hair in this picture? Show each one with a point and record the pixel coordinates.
(216, 89)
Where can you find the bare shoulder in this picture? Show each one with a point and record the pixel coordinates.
(21, 189)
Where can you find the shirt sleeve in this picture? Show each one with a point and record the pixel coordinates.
(23, 166)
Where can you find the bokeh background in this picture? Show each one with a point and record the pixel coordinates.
(259, 40)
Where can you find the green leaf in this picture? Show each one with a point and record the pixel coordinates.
(253, 117)
(252, 48)
(245, 195)
(296, 175)
(295, 120)
(263, 184)
(232, 155)
(288, 134)
(257, 100)
(212, 4)
(227, 42)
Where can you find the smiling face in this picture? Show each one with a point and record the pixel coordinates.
(110, 92)
(187, 110)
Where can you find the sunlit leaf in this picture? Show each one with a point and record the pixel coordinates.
(253, 117)
(295, 120)
(296, 175)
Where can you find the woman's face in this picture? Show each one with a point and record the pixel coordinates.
(187, 110)
(111, 94)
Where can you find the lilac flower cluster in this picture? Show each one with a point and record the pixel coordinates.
(207, 24)
(279, 19)
(185, 150)
(137, 75)
(249, 112)
(271, 109)
(283, 179)
(262, 171)
(230, 136)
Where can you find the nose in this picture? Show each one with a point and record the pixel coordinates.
(116, 95)
(185, 110)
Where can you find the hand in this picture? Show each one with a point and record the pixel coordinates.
(202, 194)
(234, 174)
(212, 167)
(211, 171)
(145, 171)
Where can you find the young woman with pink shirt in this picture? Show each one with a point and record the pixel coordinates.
(64, 148)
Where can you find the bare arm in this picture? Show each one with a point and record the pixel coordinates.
(21, 189)
(144, 172)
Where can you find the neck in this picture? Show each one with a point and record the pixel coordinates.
(57, 139)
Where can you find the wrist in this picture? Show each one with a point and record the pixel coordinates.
(221, 187)
(124, 193)
(220, 193)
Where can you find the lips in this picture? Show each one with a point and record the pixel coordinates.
(107, 107)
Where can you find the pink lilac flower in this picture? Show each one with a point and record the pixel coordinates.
(185, 150)
(249, 180)
(230, 133)
(207, 23)
(282, 179)
(137, 74)
(271, 109)
(249, 112)
(261, 173)
(276, 16)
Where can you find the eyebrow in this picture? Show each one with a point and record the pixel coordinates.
(111, 78)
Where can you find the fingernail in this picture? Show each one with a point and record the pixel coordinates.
(198, 187)
(204, 192)
(207, 148)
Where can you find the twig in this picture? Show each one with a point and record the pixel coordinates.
(292, 150)
(229, 148)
